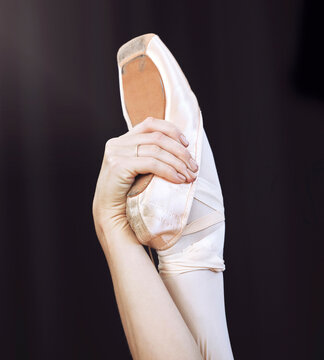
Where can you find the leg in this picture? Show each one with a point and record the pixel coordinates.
(192, 269)
(199, 296)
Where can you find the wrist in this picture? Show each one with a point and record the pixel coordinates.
(107, 220)
(114, 230)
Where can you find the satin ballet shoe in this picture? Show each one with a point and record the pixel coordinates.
(152, 83)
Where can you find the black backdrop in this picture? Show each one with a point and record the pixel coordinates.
(256, 68)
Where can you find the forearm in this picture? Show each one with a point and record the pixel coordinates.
(152, 323)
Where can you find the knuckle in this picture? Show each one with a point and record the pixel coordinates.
(172, 172)
(148, 121)
(157, 135)
(176, 132)
(109, 144)
(156, 149)
(186, 155)
(182, 167)
(153, 164)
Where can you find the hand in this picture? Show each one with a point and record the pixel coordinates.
(161, 151)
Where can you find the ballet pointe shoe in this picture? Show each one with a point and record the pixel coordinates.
(152, 84)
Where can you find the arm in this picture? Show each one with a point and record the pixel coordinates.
(153, 326)
(152, 323)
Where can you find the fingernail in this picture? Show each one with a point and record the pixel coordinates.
(193, 164)
(184, 140)
(181, 177)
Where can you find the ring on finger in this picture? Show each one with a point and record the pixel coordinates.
(137, 145)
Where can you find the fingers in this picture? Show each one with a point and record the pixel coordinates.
(168, 144)
(158, 153)
(162, 150)
(146, 165)
(151, 124)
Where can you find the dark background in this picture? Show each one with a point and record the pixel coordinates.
(256, 68)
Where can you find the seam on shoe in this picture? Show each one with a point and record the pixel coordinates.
(145, 229)
(140, 225)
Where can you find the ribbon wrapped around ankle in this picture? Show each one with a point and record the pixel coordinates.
(199, 255)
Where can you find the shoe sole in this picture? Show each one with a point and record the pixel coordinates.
(143, 89)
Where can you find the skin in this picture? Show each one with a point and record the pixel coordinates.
(152, 323)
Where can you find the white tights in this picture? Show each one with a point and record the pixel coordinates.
(192, 269)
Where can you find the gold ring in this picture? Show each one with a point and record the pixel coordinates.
(137, 150)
